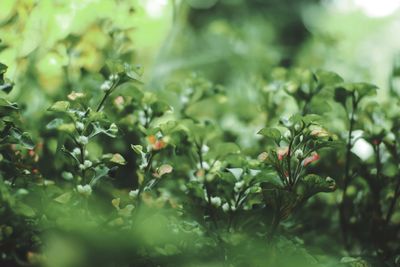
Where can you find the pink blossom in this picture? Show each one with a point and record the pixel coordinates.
(314, 157)
(282, 152)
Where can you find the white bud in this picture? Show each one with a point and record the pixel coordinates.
(298, 153)
(87, 164)
(85, 190)
(76, 151)
(238, 186)
(106, 86)
(184, 99)
(329, 179)
(113, 128)
(391, 137)
(205, 149)
(22, 192)
(297, 126)
(225, 207)
(216, 201)
(205, 166)
(113, 77)
(287, 134)
(142, 117)
(67, 176)
(83, 140)
(134, 193)
(79, 126)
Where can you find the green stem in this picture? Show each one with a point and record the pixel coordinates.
(346, 182)
(393, 202)
(108, 92)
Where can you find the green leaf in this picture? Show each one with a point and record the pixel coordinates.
(24, 210)
(326, 78)
(3, 69)
(64, 198)
(282, 201)
(221, 150)
(360, 90)
(313, 184)
(7, 104)
(138, 149)
(26, 141)
(269, 180)
(118, 159)
(365, 89)
(272, 133)
(54, 124)
(22, 138)
(59, 106)
(6, 87)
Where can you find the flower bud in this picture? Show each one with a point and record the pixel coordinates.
(85, 190)
(67, 176)
(238, 186)
(216, 201)
(263, 156)
(225, 207)
(76, 151)
(83, 140)
(113, 129)
(87, 164)
(298, 153)
(113, 77)
(133, 194)
(106, 86)
(79, 126)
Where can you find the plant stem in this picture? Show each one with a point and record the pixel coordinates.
(346, 182)
(289, 163)
(107, 93)
(393, 202)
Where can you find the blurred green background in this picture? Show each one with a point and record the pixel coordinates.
(56, 41)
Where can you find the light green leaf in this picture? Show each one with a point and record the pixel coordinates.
(64, 198)
(118, 159)
(59, 106)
